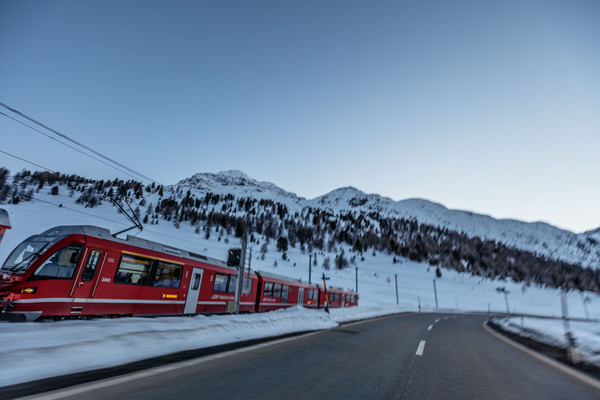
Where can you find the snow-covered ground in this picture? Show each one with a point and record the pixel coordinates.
(553, 333)
(39, 350)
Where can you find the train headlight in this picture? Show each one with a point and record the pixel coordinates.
(28, 290)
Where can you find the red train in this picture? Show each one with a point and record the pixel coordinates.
(81, 271)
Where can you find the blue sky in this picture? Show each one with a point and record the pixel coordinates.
(492, 107)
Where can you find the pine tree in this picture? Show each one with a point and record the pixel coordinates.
(282, 244)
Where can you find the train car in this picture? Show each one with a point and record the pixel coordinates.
(82, 271)
(311, 297)
(218, 291)
(277, 291)
(350, 298)
(334, 297)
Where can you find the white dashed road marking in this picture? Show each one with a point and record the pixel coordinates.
(421, 348)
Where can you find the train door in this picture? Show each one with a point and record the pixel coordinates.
(191, 301)
(300, 296)
(84, 278)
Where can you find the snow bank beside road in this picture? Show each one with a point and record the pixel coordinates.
(552, 332)
(43, 350)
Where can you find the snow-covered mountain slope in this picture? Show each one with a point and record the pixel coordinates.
(240, 185)
(537, 237)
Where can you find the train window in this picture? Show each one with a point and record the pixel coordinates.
(196, 282)
(277, 290)
(90, 267)
(247, 285)
(285, 290)
(232, 284)
(133, 269)
(220, 284)
(312, 294)
(268, 289)
(60, 264)
(167, 275)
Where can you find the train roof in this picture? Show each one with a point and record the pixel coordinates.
(288, 279)
(103, 233)
(280, 277)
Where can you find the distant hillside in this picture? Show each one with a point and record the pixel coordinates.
(538, 237)
(343, 225)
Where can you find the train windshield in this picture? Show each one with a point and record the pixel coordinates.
(26, 253)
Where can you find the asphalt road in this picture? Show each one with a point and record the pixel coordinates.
(421, 356)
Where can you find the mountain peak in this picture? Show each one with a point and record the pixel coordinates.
(233, 175)
(237, 183)
(223, 178)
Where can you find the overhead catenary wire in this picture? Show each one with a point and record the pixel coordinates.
(78, 211)
(68, 145)
(30, 162)
(74, 148)
(116, 222)
(77, 143)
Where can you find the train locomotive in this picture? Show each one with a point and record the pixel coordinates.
(82, 271)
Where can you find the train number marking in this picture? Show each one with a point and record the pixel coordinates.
(107, 280)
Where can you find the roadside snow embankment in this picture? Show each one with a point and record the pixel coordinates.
(552, 333)
(43, 350)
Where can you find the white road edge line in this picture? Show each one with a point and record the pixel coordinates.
(421, 348)
(86, 387)
(558, 365)
(430, 327)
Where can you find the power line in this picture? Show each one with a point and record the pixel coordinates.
(76, 142)
(72, 209)
(22, 159)
(68, 145)
(110, 220)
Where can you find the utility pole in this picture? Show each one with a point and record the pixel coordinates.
(250, 260)
(356, 280)
(396, 278)
(326, 295)
(585, 300)
(309, 267)
(572, 352)
(435, 293)
(565, 312)
(243, 275)
(506, 292)
(240, 268)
